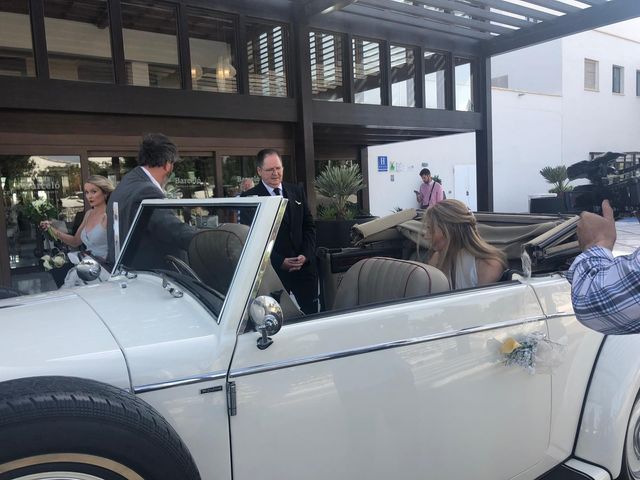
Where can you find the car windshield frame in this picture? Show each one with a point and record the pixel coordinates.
(260, 237)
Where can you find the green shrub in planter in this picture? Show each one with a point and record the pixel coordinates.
(338, 183)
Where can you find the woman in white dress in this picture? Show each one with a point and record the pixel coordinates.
(92, 232)
(457, 248)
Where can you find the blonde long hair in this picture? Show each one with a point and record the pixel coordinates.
(459, 227)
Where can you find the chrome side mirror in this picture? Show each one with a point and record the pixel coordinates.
(266, 316)
(88, 269)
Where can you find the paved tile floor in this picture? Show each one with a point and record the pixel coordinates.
(628, 240)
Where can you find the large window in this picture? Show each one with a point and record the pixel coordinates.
(403, 72)
(78, 40)
(28, 179)
(618, 79)
(326, 66)
(267, 58)
(464, 73)
(237, 167)
(590, 74)
(213, 51)
(366, 71)
(435, 74)
(150, 44)
(16, 48)
(113, 167)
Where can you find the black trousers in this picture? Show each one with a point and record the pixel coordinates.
(303, 284)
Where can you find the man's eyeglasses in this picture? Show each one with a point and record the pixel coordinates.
(272, 170)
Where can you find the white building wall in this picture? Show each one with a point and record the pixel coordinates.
(602, 120)
(544, 118)
(535, 69)
(527, 136)
(394, 188)
(529, 127)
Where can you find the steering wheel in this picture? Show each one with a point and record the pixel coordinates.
(181, 266)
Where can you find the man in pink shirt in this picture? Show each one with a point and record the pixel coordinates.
(431, 192)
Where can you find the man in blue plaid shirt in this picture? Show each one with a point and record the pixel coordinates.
(605, 291)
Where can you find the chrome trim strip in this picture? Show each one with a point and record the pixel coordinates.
(560, 315)
(267, 367)
(180, 382)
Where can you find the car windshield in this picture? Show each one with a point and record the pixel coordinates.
(196, 245)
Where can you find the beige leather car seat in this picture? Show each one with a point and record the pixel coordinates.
(214, 255)
(379, 279)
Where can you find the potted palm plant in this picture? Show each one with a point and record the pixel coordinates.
(556, 176)
(336, 187)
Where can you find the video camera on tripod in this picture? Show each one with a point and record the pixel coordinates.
(610, 179)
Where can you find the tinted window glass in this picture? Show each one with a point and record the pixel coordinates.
(326, 66)
(366, 71)
(464, 73)
(150, 44)
(435, 74)
(16, 48)
(213, 51)
(403, 72)
(267, 57)
(78, 40)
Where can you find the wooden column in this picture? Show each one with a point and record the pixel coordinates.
(36, 8)
(484, 143)
(304, 148)
(117, 42)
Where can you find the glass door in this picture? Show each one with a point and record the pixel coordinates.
(193, 177)
(236, 168)
(35, 188)
(112, 166)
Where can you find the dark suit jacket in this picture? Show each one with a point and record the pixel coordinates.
(297, 234)
(165, 233)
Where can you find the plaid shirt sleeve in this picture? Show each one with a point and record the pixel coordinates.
(605, 291)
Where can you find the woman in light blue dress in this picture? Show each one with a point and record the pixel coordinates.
(93, 229)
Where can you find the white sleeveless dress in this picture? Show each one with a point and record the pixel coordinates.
(96, 242)
(466, 271)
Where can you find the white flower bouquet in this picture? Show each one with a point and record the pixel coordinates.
(58, 260)
(39, 210)
(533, 352)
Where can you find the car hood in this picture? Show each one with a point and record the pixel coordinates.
(57, 333)
(163, 338)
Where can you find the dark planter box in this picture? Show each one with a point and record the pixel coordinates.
(548, 204)
(334, 233)
(337, 233)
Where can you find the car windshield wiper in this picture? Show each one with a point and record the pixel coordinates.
(125, 271)
(200, 289)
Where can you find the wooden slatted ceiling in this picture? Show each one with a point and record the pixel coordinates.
(494, 26)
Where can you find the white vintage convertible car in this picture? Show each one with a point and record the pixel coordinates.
(198, 365)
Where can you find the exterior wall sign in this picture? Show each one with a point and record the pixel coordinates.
(383, 164)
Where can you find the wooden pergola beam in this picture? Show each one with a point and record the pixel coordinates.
(588, 19)
(316, 7)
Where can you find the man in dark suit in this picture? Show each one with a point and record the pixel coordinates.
(164, 233)
(293, 255)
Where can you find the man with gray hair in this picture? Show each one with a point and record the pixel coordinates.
(156, 157)
(246, 184)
